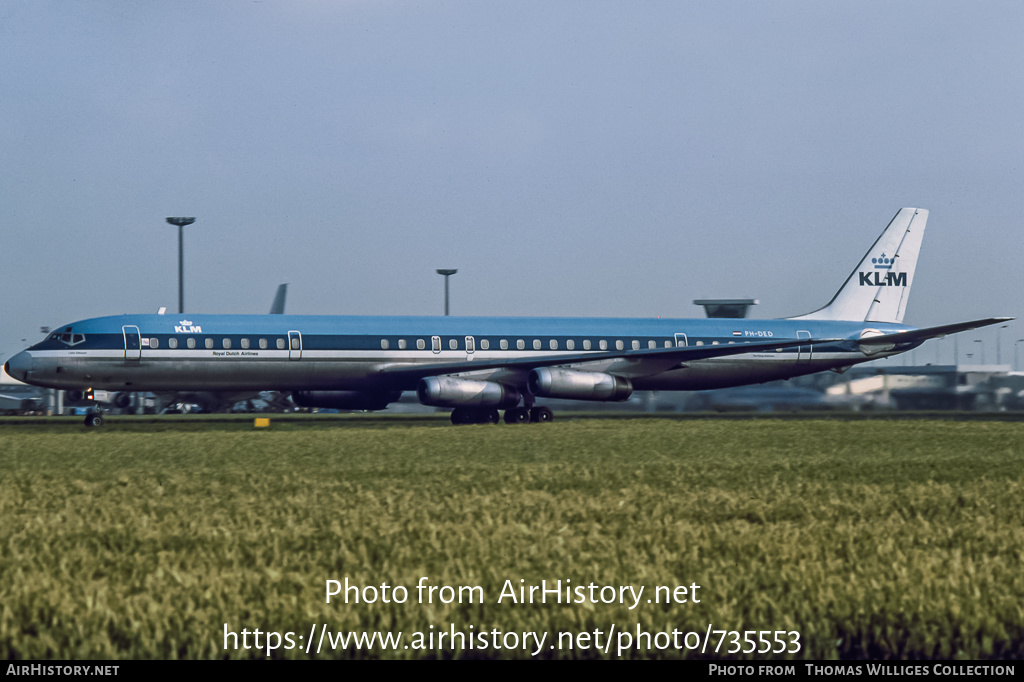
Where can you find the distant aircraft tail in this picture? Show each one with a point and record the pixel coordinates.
(277, 307)
(878, 288)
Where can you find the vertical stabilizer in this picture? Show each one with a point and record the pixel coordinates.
(277, 307)
(878, 288)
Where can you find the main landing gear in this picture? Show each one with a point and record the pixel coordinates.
(486, 415)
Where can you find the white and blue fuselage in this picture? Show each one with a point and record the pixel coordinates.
(479, 364)
(312, 353)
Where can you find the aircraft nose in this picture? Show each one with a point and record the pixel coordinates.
(19, 366)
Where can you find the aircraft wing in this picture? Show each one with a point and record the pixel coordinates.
(643, 362)
(925, 333)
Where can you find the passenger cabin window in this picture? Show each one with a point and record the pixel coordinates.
(420, 344)
(245, 343)
(384, 344)
(296, 344)
(401, 344)
(668, 344)
(226, 343)
(263, 344)
(553, 344)
(603, 345)
(636, 344)
(172, 343)
(536, 344)
(209, 342)
(652, 344)
(619, 345)
(485, 344)
(586, 344)
(520, 344)
(570, 344)
(154, 342)
(191, 343)
(503, 344)
(280, 344)
(453, 344)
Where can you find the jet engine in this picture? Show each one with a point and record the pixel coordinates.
(346, 400)
(554, 382)
(454, 392)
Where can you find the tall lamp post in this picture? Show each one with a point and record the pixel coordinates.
(982, 347)
(181, 223)
(447, 272)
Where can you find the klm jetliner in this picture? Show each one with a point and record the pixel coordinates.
(479, 365)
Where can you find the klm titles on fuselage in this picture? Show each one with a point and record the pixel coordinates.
(186, 327)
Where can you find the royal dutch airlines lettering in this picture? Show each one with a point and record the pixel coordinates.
(479, 366)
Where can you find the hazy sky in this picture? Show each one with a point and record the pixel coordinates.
(569, 158)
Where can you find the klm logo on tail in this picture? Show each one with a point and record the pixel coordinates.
(876, 278)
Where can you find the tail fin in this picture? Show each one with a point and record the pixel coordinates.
(277, 307)
(878, 288)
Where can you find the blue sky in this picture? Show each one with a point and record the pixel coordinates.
(569, 158)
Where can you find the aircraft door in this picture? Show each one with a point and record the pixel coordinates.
(294, 345)
(681, 341)
(435, 344)
(803, 354)
(470, 347)
(132, 342)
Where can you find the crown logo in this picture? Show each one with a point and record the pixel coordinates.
(186, 323)
(883, 263)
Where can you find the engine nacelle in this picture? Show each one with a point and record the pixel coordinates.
(554, 382)
(346, 400)
(454, 392)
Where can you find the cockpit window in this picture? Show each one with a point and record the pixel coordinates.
(68, 337)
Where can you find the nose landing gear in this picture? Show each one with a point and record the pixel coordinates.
(94, 419)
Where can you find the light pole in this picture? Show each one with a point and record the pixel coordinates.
(982, 347)
(1016, 352)
(181, 223)
(999, 343)
(447, 272)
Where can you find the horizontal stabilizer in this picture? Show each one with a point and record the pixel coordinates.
(926, 333)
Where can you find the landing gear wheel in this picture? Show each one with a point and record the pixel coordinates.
(93, 420)
(518, 415)
(461, 415)
(541, 414)
(489, 417)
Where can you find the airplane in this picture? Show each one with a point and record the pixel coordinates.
(478, 365)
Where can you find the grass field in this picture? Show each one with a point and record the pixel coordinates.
(872, 539)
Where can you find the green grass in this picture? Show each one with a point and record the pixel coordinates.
(882, 539)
